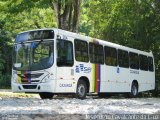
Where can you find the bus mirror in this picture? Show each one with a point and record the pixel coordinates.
(17, 65)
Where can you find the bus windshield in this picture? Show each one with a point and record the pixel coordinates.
(35, 35)
(36, 55)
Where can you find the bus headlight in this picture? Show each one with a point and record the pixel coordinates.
(46, 79)
(15, 78)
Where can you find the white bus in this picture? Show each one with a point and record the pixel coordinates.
(54, 61)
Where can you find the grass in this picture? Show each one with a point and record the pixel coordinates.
(17, 95)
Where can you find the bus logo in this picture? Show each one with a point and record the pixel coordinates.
(82, 69)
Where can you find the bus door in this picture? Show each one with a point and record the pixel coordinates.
(122, 71)
(65, 62)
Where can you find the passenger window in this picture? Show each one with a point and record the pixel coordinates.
(64, 53)
(110, 56)
(96, 53)
(150, 64)
(134, 60)
(81, 50)
(123, 60)
(143, 62)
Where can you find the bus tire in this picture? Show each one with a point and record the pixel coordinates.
(46, 95)
(134, 90)
(81, 91)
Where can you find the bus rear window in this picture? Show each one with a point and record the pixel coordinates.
(150, 64)
(143, 62)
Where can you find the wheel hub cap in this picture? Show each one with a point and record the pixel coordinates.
(81, 90)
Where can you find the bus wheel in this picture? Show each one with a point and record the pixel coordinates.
(134, 90)
(81, 90)
(45, 95)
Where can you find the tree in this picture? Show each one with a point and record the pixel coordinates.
(5, 49)
(133, 23)
(67, 13)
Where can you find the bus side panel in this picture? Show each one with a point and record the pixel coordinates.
(83, 70)
(115, 79)
(108, 76)
(134, 75)
(120, 84)
(146, 81)
(65, 86)
(152, 80)
(98, 83)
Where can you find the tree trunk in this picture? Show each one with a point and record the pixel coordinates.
(76, 16)
(67, 13)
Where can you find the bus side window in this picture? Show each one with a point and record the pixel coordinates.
(134, 60)
(110, 56)
(143, 62)
(150, 64)
(123, 58)
(64, 53)
(96, 53)
(81, 50)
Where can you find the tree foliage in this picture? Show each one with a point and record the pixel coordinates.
(66, 13)
(133, 23)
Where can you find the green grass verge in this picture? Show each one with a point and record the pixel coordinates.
(17, 95)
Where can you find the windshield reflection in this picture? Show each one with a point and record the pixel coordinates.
(36, 55)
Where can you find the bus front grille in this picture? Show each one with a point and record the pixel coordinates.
(29, 86)
(37, 75)
(35, 81)
(29, 81)
(29, 78)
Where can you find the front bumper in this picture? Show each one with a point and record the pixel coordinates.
(34, 88)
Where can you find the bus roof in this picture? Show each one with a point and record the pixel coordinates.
(103, 42)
